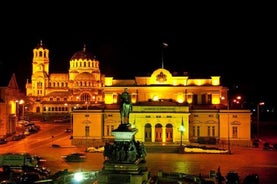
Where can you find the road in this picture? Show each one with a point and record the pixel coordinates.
(243, 160)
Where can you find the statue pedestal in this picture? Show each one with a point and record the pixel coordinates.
(126, 162)
(124, 133)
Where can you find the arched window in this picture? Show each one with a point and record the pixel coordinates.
(85, 97)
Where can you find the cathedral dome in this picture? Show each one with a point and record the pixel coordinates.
(83, 55)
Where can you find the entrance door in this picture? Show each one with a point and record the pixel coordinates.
(169, 133)
(158, 133)
(147, 135)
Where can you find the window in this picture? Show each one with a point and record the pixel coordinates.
(39, 84)
(87, 131)
(85, 97)
(213, 131)
(195, 99)
(108, 130)
(209, 99)
(235, 132)
(203, 96)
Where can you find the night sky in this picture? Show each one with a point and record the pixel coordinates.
(237, 42)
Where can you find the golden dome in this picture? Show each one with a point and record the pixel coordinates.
(83, 55)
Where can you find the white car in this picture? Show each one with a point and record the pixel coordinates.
(93, 149)
(23, 123)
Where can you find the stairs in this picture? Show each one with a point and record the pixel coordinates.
(159, 148)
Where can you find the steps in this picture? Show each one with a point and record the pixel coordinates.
(158, 148)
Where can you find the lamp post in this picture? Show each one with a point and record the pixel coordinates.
(87, 127)
(228, 124)
(182, 129)
(228, 119)
(258, 118)
(21, 102)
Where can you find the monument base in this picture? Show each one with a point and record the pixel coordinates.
(125, 162)
(132, 168)
(116, 177)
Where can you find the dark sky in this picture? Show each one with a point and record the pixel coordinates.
(237, 42)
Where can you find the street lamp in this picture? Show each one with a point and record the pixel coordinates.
(258, 118)
(21, 102)
(228, 127)
(229, 103)
(182, 129)
(87, 126)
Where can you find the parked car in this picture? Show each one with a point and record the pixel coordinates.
(256, 143)
(251, 179)
(43, 172)
(75, 157)
(232, 177)
(68, 130)
(7, 182)
(3, 140)
(23, 123)
(26, 132)
(93, 149)
(268, 146)
(18, 137)
(29, 177)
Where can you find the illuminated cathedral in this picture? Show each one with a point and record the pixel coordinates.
(166, 108)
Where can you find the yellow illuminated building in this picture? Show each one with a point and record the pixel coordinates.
(166, 108)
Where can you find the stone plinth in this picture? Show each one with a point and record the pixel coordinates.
(125, 162)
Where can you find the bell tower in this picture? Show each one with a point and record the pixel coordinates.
(41, 59)
(40, 71)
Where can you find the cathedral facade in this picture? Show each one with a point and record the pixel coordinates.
(166, 108)
(56, 92)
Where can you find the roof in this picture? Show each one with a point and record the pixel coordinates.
(40, 45)
(83, 55)
(10, 82)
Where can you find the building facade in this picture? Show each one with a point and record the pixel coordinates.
(11, 107)
(166, 108)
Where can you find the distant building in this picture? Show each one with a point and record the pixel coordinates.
(166, 108)
(11, 107)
